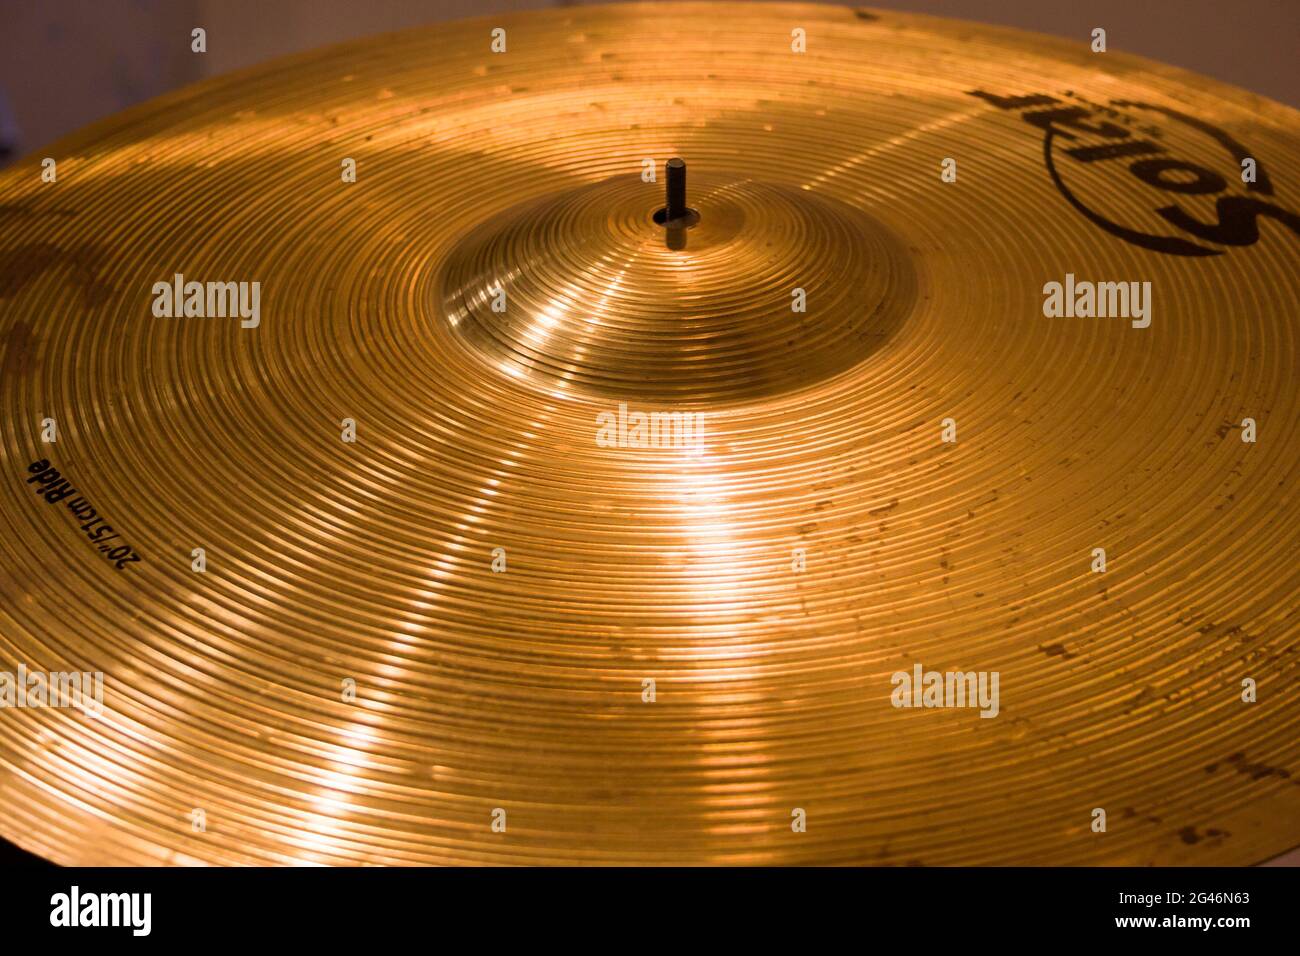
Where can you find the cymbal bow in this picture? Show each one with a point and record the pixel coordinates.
(414, 466)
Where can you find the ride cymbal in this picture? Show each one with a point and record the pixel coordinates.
(493, 521)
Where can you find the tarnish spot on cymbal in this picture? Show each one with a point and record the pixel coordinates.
(19, 352)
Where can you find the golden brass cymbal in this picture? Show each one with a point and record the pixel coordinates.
(627, 552)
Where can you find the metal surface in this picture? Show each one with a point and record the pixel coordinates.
(476, 430)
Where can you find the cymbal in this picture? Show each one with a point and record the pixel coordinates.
(506, 524)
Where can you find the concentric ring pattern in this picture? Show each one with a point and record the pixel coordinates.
(497, 582)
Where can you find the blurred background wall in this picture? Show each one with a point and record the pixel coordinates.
(65, 63)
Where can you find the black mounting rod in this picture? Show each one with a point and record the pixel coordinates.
(676, 204)
(676, 216)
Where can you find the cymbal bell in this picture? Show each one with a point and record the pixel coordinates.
(411, 579)
(603, 300)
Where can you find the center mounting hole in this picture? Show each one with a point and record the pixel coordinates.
(689, 218)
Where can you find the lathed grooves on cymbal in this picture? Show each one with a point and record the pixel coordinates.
(372, 561)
